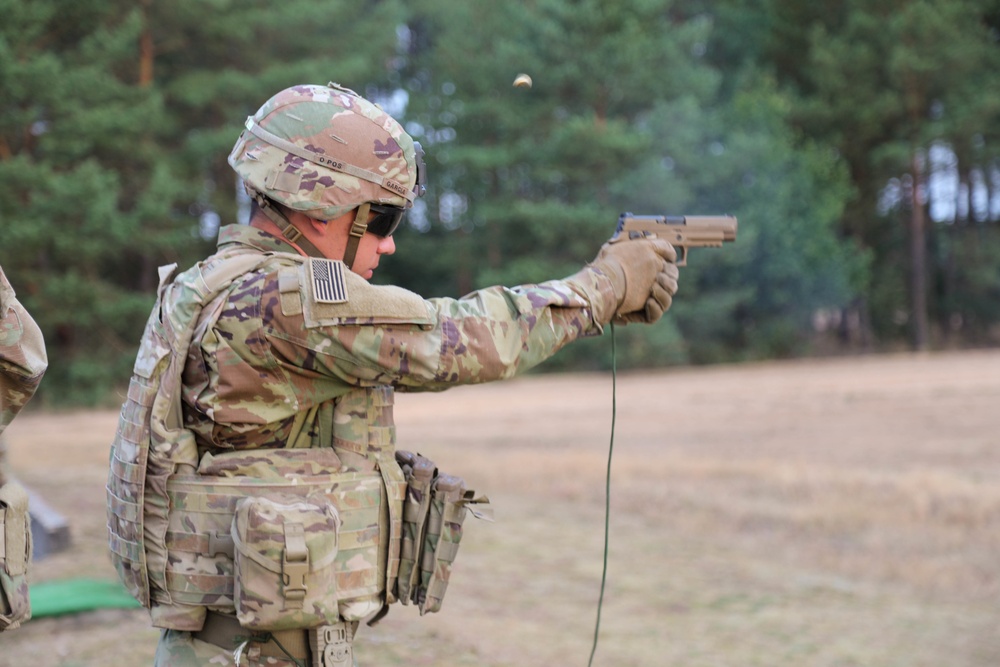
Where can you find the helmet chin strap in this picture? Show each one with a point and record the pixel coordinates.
(293, 235)
(288, 230)
(358, 229)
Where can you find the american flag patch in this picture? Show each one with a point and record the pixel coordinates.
(328, 281)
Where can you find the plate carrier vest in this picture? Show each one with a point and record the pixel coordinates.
(170, 521)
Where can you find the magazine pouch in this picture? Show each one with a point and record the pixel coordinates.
(15, 556)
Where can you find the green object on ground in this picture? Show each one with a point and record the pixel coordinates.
(55, 598)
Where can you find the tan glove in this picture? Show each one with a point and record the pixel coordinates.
(643, 275)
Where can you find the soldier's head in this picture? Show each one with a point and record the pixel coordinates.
(316, 154)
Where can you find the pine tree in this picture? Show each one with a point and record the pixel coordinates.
(887, 85)
(75, 163)
(625, 114)
(113, 140)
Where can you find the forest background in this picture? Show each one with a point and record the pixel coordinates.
(857, 141)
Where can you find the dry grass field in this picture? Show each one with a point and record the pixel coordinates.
(832, 513)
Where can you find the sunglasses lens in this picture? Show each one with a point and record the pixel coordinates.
(386, 221)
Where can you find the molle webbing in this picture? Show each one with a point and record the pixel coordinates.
(200, 548)
(433, 513)
(169, 527)
(367, 491)
(151, 442)
(364, 436)
(15, 556)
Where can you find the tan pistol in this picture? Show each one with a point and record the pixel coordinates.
(682, 231)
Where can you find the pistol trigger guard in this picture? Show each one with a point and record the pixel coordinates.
(682, 255)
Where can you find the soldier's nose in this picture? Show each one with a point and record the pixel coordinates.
(386, 246)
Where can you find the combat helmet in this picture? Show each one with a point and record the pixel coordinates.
(324, 151)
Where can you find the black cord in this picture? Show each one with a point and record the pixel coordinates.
(607, 491)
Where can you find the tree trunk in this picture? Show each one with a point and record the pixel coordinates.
(918, 259)
(147, 52)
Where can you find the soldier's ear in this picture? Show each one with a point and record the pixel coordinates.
(339, 225)
(305, 224)
(321, 227)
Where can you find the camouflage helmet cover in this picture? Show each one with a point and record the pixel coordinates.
(324, 150)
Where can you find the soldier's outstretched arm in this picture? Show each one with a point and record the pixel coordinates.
(387, 335)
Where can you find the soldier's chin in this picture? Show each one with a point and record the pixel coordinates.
(365, 273)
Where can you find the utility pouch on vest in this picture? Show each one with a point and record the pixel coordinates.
(285, 547)
(15, 556)
(201, 570)
(419, 473)
(433, 514)
(444, 532)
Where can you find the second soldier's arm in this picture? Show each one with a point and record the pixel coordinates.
(22, 354)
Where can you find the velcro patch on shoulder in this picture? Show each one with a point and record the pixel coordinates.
(288, 288)
(326, 276)
(368, 304)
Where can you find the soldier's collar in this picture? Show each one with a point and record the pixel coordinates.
(254, 237)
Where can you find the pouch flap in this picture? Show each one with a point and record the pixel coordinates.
(272, 529)
(277, 465)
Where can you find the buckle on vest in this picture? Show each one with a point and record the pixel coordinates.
(220, 543)
(295, 565)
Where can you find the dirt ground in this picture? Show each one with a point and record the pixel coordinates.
(832, 513)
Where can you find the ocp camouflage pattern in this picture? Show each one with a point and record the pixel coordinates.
(340, 123)
(15, 556)
(22, 355)
(444, 533)
(22, 364)
(285, 547)
(269, 368)
(203, 505)
(269, 359)
(180, 649)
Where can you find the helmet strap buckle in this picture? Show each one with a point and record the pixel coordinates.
(292, 233)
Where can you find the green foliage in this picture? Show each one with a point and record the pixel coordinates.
(883, 84)
(544, 173)
(968, 289)
(74, 160)
(756, 298)
(809, 121)
(116, 123)
(636, 346)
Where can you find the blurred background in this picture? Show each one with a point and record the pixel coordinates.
(804, 491)
(855, 140)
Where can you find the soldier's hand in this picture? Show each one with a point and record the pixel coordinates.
(643, 274)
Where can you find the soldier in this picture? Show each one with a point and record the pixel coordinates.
(22, 363)
(273, 364)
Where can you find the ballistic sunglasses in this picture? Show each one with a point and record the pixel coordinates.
(386, 220)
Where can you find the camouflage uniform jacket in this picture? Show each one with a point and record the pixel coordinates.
(22, 363)
(297, 353)
(22, 357)
(263, 363)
